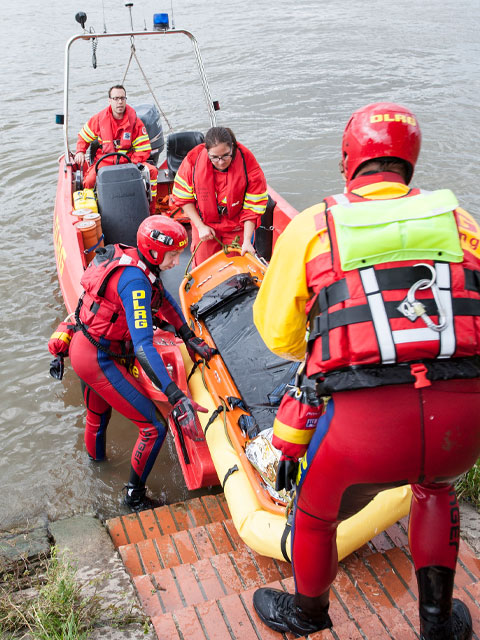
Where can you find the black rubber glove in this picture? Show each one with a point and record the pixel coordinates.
(195, 346)
(57, 367)
(185, 417)
(286, 473)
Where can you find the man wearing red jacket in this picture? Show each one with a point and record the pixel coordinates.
(117, 129)
(386, 279)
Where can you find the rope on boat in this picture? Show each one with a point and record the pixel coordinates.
(235, 246)
(133, 54)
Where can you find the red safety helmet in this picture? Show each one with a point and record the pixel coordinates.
(159, 234)
(380, 130)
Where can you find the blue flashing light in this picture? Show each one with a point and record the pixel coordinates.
(160, 22)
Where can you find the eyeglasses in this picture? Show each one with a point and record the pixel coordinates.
(218, 158)
(119, 98)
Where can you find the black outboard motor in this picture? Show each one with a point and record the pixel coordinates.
(122, 202)
(150, 116)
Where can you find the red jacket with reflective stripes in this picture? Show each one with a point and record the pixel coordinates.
(116, 135)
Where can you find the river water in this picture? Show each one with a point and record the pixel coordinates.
(287, 76)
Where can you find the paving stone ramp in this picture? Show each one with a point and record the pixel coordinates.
(195, 578)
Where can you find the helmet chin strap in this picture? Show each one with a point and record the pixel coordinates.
(154, 268)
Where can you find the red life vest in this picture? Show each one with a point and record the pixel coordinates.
(204, 186)
(106, 133)
(102, 316)
(359, 335)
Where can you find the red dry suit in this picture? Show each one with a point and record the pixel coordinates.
(128, 136)
(121, 294)
(386, 423)
(224, 199)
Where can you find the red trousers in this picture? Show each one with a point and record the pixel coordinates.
(107, 384)
(374, 439)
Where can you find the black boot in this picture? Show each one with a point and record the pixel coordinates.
(136, 497)
(287, 612)
(441, 617)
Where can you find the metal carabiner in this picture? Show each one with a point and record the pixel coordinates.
(412, 308)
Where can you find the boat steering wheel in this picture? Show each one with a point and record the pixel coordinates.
(119, 156)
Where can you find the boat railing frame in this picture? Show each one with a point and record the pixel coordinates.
(131, 34)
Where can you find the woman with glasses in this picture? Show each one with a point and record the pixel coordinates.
(116, 129)
(222, 189)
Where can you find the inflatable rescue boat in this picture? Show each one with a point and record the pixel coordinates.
(242, 385)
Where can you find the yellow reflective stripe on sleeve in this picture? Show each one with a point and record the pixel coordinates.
(256, 196)
(143, 147)
(255, 208)
(142, 141)
(61, 335)
(84, 135)
(255, 202)
(182, 194)
(182, 189)
(183, 183)
(291, 435)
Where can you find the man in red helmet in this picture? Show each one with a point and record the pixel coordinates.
(385, 278)
(123, 292)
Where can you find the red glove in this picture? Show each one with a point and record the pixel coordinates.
(183, 413)
(197, 346)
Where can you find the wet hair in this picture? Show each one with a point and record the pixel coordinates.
(116, 86)
(217, 135)
(396, 165)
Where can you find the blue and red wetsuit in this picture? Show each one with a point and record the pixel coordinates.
(108, 382)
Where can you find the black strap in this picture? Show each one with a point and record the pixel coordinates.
(472, 280)
(194, 368)
(283, 542)
(322, 324)
(98, 345)
(213, 417)
(228, 474)
(381, 375)
(465, 307)
(401, 277)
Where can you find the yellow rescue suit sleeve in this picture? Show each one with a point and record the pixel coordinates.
(279, 310)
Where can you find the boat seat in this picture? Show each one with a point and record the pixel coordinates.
(178, 145)
(122, 202)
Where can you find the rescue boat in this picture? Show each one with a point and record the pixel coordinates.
(242, 384)
(85, 219)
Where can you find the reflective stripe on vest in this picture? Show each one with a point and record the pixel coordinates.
(388, 338)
